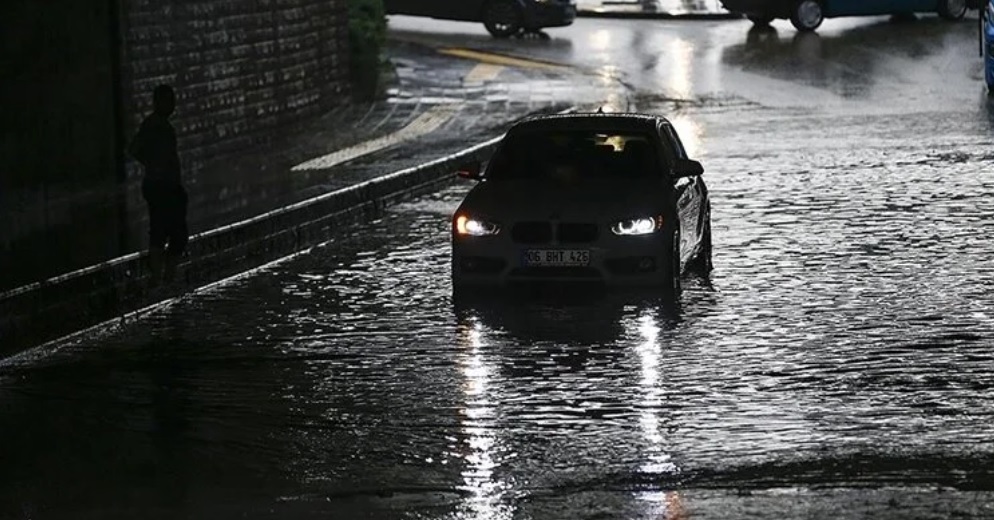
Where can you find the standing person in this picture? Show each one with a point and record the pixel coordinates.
(154, 146)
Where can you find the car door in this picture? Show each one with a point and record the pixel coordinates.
(690, 197)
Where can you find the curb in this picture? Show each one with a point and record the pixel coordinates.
(662, 15)
(71, 303)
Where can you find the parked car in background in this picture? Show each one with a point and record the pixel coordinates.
(502, 18)
(807, 15)
(606, 199)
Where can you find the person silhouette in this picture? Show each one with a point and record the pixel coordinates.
(154, 147)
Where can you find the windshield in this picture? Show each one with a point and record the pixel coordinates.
(575, 155)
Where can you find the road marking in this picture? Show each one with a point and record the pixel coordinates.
(424, 124)
(482, 73)
(489, 66)
(502, 59)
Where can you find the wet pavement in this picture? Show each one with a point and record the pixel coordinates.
(670, 7)
(837, 364)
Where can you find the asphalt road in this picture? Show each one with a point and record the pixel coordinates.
(837, 364)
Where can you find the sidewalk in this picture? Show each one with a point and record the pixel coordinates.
(263, 205)
(655, 9)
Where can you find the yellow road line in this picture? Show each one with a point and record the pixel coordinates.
(489, 66)
(501, 59)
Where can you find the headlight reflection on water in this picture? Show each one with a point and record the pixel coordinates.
(667, 505)
(648, 351)
(486, 495)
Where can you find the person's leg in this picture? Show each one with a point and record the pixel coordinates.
(157, 235)
(177, 231)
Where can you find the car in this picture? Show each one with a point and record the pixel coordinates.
(502, 18)
(807, 15)
(609, 199)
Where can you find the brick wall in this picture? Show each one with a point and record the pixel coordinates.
(244, 70)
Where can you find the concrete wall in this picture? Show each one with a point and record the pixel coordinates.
(246, 72)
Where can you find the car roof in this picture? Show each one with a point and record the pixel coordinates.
(591, 121)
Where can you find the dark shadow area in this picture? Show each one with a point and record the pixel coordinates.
(906, 467)
(136, 430)
(59, 148)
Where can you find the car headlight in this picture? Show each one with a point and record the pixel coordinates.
(475, 227)
(637, 226)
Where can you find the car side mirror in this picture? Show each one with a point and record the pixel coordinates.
(688, 168)
(470, 171)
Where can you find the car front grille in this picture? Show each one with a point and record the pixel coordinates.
(532, 233)
(577, 232)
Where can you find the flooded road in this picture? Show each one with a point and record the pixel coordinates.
(839, 363)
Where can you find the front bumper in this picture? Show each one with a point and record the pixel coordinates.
(614, 262)
(549, 14)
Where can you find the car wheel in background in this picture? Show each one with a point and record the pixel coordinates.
(807, 15)
(502, 18)
(952, 9)
(761, 20)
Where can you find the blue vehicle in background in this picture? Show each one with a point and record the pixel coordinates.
(987, 43)
(807, 15)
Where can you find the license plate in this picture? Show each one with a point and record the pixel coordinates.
(556, 257)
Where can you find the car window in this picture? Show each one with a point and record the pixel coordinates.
(675, 139)
(576, 155)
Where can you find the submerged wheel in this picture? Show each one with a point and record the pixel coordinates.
(673, 285)
(807, 15)
(705, 263)
(502, 18)
(952, 9)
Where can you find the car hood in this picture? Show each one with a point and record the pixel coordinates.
(530, 200)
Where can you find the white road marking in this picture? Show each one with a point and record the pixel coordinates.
(481, 73)
(424, 124)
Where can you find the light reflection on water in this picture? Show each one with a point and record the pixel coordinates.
(651, 400)
(479, 424)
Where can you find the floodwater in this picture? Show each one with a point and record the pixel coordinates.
(837, 364)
